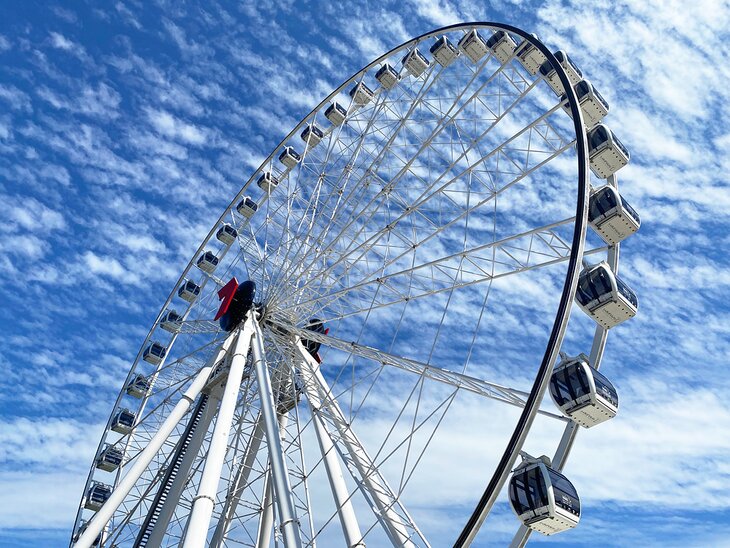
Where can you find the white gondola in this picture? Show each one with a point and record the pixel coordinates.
(109, 459)
(123, 421)
(543, 498)
(154, 353)
(550, 75)
(362, 94)
(227, 234)
(207, 262)
(415, 62)
(312, 135)
(606, 153)
(582, 393)
(502, 45)
(246, 207)
(473, 45)
(444, 51)
(289, 157)
(592, 104)
(97, 495)
(611, 216)
(188, 291)
(529, 56)
(170, 321)
(387, 76)
(336, 114)
(267, 182)
(604, 297)
(138, 386)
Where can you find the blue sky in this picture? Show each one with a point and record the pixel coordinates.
(126, 128)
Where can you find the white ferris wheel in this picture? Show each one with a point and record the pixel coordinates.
(413, 247)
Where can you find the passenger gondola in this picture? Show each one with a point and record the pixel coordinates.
(604, 297)
(582, 393)
(611, 216)
(502, 45)
(444, 51)
(550, 75)
(387, 76)
(312, 135)
(592, 104)
(123, 421)
(109, 459)
(289, 157)
(97, 494)
(361, 94)
(246, 207)
(543, 498)
(529, 56)
(138, 386)
(154, 353)
(473, 45)
(227, 234)
(207, 262)
(170, 321)
(267, 182)
(335, 113)
(606, 153)
(188, 291)
(415, 62)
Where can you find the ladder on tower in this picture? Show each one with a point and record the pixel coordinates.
(170, 474)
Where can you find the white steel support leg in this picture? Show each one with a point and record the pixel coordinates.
(289, 525)
(340, 494)
(142, 461)
(204, 502)
(348, 520)
(373, 484)
(238, 485)
(266, 520)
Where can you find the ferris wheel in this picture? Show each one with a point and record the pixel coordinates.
(409, 251)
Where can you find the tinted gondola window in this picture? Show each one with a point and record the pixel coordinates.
(605, 389)
(630, 210)
(581, 89)
(600, 98)
(601, 203)
(569, 384)
(528, 491)
(518, 493)
(564, 492)
(496, 37)
(626, 292)
(598, 137)
(619, 144)
(571, 64)
(593, 285)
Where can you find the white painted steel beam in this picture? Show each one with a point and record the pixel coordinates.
(340, 494)
(238, 485)
(204, 501)
(289, 525)
(396, 521)
(142, 461)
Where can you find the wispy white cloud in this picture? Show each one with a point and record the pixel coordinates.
(170, 126)
(124, 160)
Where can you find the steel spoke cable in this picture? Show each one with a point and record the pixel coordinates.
(444, 125)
